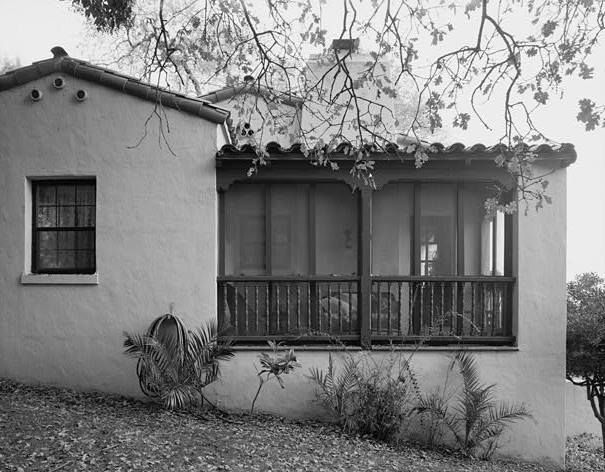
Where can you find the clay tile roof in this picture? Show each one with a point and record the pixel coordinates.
(564, 153)
(62, 63)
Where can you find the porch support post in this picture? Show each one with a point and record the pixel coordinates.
(365, 288)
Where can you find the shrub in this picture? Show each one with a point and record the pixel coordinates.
(368, 397)
(174, 364)
(472, 415)
(586, 341)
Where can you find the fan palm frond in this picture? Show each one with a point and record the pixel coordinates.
(174, 364)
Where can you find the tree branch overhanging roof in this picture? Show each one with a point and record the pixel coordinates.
(78, 68)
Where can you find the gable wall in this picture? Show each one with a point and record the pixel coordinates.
(156, 230)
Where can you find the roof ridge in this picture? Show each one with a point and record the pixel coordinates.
(113, 79)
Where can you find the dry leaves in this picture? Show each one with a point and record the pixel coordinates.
(51, 429)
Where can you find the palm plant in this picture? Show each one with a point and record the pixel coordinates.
(336, 391)
(476, 419)
(175, 364)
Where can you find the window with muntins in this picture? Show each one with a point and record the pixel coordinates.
(310, 262)
(64, 222)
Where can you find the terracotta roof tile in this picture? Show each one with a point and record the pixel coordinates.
(564, 152)
(115, 80)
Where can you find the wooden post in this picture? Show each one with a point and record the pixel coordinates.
(365, 288)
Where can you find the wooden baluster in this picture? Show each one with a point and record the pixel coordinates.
(329, 309)
(256, 321)
(431, 314)
(309, 307)
(288, 307)
(225, 301)
(422, 317)
(349, 314)
(493, 292)
(298, 307)
(389, 308)
(267, 303)
(473, 314)
(318, 288)
(246, 329)
(235, 323)
(483, 308)
(339, 309)
(277, 307)
(411, 303)
(399, 309)
(443, 310)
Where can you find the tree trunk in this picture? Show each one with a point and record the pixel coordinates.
(603, 437)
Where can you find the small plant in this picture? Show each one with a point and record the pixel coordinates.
(274, 366)
(369, 397)
(174, 364)
(476, 419)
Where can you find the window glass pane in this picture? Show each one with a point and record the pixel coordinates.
(85, 194)
(392, 222)
(84, 259)
(47, 260)
(483, 238)
(245, 230)
(47, 240)
(67, 216)
(85, 239)
(46, 217)
(66, 194)
(85, 216)
(290, 229)
(437, 229)
(66, 259)
(67, 240)
(46, 194)
(335, 229)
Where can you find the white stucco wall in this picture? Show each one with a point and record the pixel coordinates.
(155, 233)
(534, 373)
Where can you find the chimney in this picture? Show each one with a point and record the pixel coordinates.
(345, 44)
(58, 51)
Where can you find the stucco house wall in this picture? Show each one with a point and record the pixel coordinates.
(155, 230)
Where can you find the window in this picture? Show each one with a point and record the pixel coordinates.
(64, 219)
(411, 260)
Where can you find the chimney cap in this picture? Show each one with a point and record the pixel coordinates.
(348, 44)
(58, 51)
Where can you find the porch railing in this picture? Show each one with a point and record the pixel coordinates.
(311, 309)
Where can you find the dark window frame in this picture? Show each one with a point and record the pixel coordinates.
(36, 230)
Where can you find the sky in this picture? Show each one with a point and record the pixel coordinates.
(30, 28)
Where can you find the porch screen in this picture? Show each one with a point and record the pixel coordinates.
(290, 229)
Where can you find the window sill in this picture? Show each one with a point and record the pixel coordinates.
(60, 279)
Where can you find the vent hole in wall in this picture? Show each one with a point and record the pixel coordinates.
(35, 95)
(81, 95)
(58, 83)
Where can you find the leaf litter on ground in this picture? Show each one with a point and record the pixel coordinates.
(53, 429)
